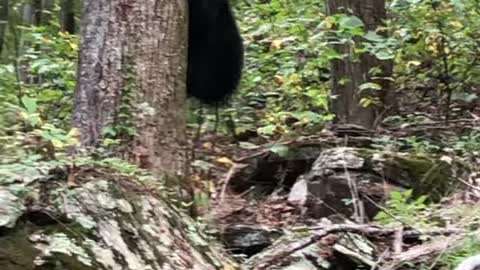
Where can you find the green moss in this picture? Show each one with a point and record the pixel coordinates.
(426, 176)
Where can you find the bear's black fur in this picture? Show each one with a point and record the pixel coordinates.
(215, 51)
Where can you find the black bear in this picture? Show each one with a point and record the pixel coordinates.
(215, 51)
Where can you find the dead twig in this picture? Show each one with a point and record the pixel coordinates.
(378, 231)
(234, 169)
(366, 230)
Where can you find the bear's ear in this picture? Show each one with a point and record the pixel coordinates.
(215, 51)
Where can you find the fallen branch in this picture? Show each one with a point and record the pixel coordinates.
(321, 232)
(378, 231)
(418, 253)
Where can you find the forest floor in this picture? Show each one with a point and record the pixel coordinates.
(419, 133)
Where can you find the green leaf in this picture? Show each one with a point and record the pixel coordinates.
(267, 130)
(30, 104)
(280, 150)
(203, 165)
(248, 145)
(351, 22)
(372, 36)
(370, 85)
(396, 196)
(459, 6)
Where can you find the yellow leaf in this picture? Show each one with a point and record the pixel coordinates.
(225, 160)
(209, 186)
(456, 24)
(23, 115)
(57, 143)
(328, 22)
(413, 63)
(195, 178)
(73, 132)
(208, 145)
(432, 49)
(279, 79)
(276, 44)
(74, 46)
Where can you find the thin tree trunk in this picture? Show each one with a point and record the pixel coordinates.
(48, 7)
(348, 75)
(3, 22)
(67, 19)
(133, 56)
(27, 11)
(37, 12)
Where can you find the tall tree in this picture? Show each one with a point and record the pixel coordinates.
(37, 12)
(131, 76)
(349, 74)
(37, 9)
(67, 19)
(3, 21)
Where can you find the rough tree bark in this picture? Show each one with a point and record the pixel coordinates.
(132, 55)
(346, 104)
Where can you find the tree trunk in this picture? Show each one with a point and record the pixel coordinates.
(67, 19)
(348, 74)
(27, 11)
(48, 7)
(37, 10)
(3, 22)
(131, 77)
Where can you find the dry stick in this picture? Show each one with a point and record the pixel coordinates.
(434, 125)
(228, 177)
(284, 254)
(378, 231)
(388, 213)
(198, 132)
(359, 213)
(413, 254)
(398, 241)
(439, 246)
(435, 261)
(380, 259)
(458, 267)
(467, 184)
(264, 151)
(358, 209)
(465, 265)
(354, 228)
